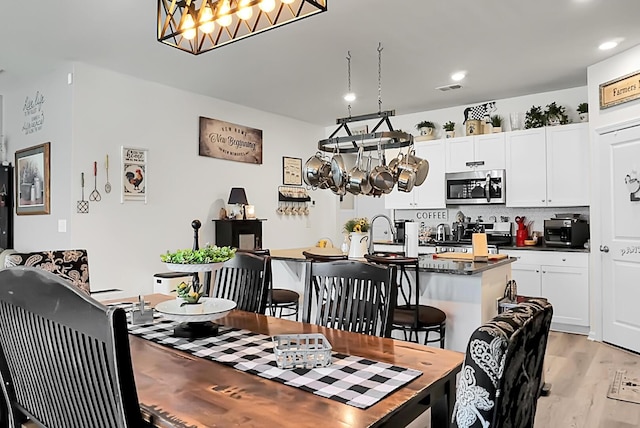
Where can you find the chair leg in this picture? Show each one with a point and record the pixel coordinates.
(442, 327)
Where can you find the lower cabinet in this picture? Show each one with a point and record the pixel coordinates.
(560, 277)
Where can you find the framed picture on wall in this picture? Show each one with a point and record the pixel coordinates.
(133, 174)
(32, 180)
(292, 171)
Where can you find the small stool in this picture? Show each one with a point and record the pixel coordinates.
(281, 299)
(413, 318)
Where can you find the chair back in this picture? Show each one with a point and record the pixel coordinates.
(502, 371)
(244, 279)
(350, 295)
(323, 257)
(64, 357)
(72, 265)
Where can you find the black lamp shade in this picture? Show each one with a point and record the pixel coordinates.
(238, 196)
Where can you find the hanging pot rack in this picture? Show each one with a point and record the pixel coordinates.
(350, 143)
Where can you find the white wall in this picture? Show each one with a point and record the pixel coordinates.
(612, 68)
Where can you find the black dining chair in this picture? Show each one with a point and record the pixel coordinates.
(350, 295)
(308, 255)
(500, 381)
(64, 357)
(244, 279)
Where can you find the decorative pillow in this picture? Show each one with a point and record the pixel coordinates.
(71, 265)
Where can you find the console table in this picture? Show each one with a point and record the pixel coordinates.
(242, 234)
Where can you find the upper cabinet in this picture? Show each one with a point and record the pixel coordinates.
(548, 167)
(478, 152)
(431, 193)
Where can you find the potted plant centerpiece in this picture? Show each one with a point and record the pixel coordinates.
(555, 115)
(449, 128)
(358, 230)
(583, 112)
(201, 260)
(496, 122)
(189, 294)
(427, 129)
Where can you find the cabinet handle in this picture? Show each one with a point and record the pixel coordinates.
(549, 200)
(544, 271)
(543, 200)
(604, 248)
(564, 260)
(537, 271)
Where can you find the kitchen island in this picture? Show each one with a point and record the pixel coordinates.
(466, 291)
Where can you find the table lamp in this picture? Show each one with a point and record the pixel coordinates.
(238, 197)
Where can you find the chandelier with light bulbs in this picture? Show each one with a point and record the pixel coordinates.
(198, 26)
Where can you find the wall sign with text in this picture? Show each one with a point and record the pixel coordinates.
(225, 140)
(620, 90)
(33, 113)
(133, 174)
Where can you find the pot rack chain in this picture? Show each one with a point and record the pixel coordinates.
(349, 79)
(379, 77)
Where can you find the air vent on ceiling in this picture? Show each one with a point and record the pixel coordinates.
(450, 87)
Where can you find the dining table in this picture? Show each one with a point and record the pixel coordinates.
(190, 391)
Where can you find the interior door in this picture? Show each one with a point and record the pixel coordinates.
(620, 247)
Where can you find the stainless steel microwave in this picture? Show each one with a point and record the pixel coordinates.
(475, 187)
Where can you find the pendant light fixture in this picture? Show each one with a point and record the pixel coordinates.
(198, 26)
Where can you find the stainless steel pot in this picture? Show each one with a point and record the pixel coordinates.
(421, 167)
(316, 170)
(338, 170)
(357, 180)
(381, 177)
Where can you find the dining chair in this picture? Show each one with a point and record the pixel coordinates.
(409, 315)
(64, 357)
(244, 279)
(350, 295)
(501, 375)
(323, 257)
(72, 265)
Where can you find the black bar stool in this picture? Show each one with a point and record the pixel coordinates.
(408, 317)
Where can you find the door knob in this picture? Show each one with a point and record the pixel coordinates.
(604, 248)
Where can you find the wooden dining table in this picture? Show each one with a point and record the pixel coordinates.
(189, 391)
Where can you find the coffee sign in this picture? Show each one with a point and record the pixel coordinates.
(620, 90)
(225, 140)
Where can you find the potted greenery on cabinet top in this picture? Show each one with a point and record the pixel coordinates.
(534, 118)
(583, 112)
(496, 122)
(555, 115)
(427, 129)
(449, 128)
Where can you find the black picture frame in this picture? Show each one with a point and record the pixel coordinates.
(291, 171)
(33, 192)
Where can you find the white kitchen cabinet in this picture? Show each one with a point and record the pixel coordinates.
(431, 193)
(548, 167)
(464, 154)
(560, 277)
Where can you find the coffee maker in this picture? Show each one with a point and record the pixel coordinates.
(400, 231)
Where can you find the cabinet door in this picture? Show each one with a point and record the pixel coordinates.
(567, 289)
(568, 165)
(490, 149)
(526, 173)
(397, 200)
(431, 194)
(527, 278)
(459, 151)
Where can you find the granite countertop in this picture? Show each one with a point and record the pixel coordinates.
(453, 267)
(543, 248)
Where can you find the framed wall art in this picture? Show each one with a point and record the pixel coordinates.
(292, 171)
(133, 174)
(32, 180)
(226, 140)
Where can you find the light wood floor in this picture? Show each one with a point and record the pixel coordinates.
(580, 371)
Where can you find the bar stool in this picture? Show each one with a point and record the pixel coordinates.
(323, 257)
(279, 299)
(413, 318)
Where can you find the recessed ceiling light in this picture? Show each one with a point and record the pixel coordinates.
(608, 45)
(350, 97)
(458, 76)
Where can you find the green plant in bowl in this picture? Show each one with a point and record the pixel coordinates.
(535, 118)
(449, 126)
(583, 108)
(207, 254)
(425, 124)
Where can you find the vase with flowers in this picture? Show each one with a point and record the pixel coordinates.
(358, 230)
(190, 295)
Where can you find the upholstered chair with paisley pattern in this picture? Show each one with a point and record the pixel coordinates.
(502, 372)
(72, 265)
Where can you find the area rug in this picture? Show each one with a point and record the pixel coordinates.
(625, 387)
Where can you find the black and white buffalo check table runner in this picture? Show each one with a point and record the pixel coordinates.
(352, 380)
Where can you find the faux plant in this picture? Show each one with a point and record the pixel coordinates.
(583, 108)
(207, 254)
(554, 113)
(357, 225)
(188, 293)
(449, 126)
(535, 118)
(425, 124)
(496, 121)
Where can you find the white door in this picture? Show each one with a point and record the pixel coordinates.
(620, 248)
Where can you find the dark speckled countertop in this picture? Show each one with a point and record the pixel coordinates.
(428, 264)
(542, 248)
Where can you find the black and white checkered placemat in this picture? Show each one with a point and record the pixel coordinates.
(352, 380)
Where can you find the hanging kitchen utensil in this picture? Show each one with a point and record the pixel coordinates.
(338, 170)
(421, 167)
(83, 206)
(357, 180)
(107, 185)
(95, 195)
(381, 177)
(407, 176)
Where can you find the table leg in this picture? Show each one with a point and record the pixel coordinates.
(442, 409)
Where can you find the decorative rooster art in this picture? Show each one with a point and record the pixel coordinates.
(135, 179)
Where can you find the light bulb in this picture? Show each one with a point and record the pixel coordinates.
(458, 76)
(225, 19)
(206, 20)
(608, 45)
(244, 11)
(267, 5)
(188, 30)
(350, 97)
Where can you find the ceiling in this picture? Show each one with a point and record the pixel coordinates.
(508, 48)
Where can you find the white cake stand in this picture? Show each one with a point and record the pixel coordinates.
(195, 324)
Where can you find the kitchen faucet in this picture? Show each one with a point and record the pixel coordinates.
(393, 232)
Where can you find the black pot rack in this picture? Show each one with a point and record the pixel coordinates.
(350, 143)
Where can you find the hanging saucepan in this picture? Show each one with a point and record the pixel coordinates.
(394, 163)
(381, 177)
(338, 170)
(357, 180)
(368, 187)
(421, 167)
(315, 169)
(407, 176)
